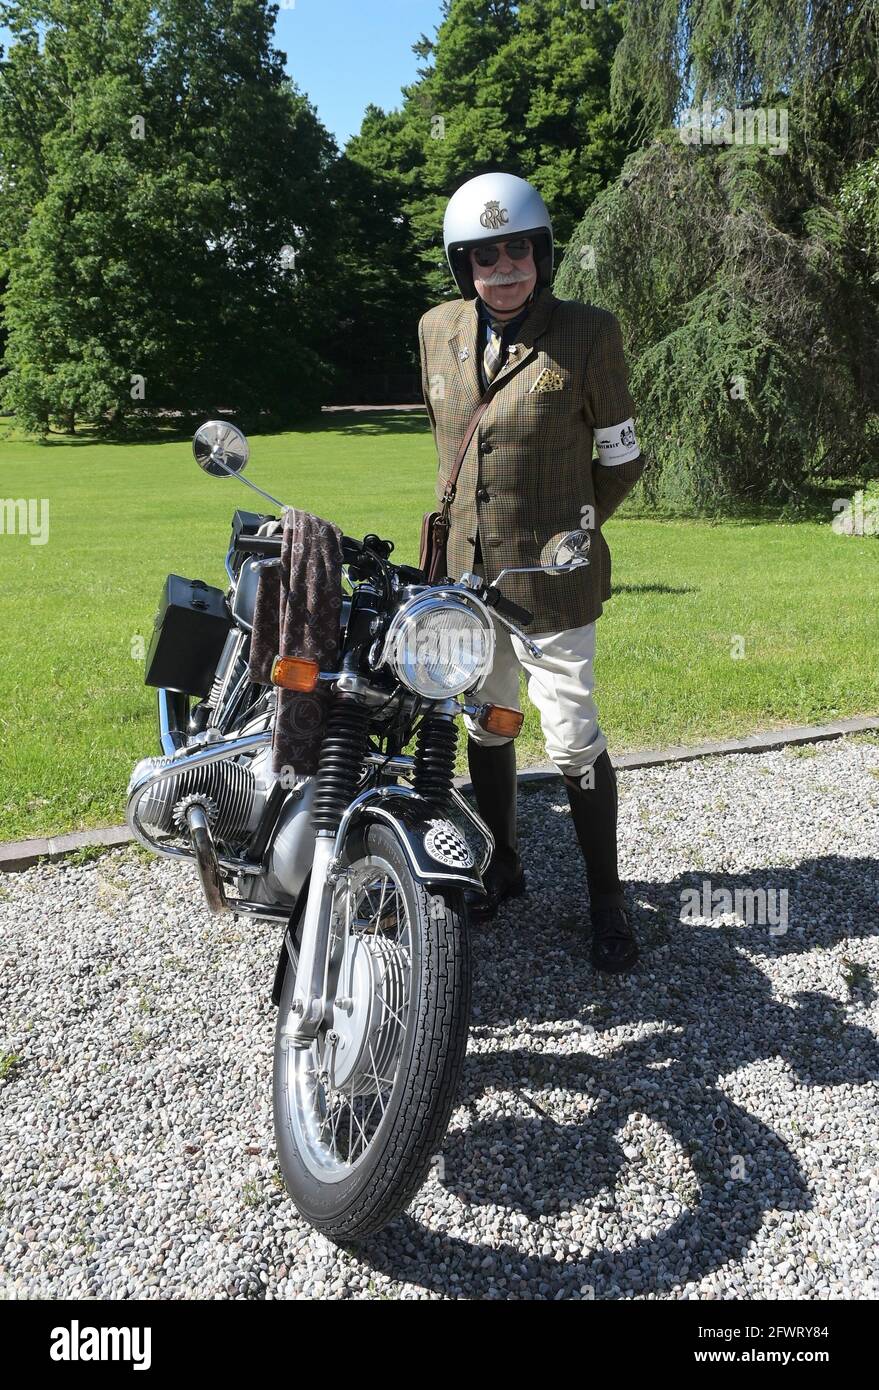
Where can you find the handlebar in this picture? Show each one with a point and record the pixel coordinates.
(507, 608)
(354, 551)
(259, 545)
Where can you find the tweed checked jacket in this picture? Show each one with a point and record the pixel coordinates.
(529, 470)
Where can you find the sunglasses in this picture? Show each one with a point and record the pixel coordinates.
(516, 250)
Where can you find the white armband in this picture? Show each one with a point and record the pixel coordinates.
(617, 443)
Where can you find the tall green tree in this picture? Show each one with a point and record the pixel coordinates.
(166, 224)
(521, 87)
(819, 54)
(378, 293)
(745, 277)
(752, 345)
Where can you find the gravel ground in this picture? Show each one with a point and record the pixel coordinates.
(705, 1128)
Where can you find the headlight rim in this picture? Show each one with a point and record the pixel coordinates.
(420, 604)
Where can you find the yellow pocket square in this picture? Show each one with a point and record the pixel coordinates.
(548, 381)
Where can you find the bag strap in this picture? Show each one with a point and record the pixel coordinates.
(452, 482)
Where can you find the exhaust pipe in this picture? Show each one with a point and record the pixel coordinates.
(206, 858)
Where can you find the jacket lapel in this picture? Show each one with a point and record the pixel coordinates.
(463, 345)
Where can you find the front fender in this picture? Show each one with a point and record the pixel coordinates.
(434, 846)
(427, 839)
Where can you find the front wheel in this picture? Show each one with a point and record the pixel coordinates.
(360, 1115)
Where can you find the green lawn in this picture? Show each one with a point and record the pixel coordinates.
(75, 715)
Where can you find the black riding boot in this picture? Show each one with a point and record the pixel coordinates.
(493, 774)
(594, 812)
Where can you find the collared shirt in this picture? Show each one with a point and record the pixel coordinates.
(508, 330)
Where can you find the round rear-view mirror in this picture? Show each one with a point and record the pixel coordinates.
(220, 448)
(573, 548)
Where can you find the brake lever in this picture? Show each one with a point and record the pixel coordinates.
(523, 636)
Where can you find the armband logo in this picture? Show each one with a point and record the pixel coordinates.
(617, 443)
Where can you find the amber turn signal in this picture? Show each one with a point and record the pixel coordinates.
(499, 719)
(295, 672)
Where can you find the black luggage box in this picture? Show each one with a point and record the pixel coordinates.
(192, 625)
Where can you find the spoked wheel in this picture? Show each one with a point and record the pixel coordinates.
(361, 1113)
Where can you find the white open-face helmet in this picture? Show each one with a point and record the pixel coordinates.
(495, 207)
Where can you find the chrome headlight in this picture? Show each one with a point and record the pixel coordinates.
(440, 645)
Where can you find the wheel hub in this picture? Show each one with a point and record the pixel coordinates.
(368, 1023)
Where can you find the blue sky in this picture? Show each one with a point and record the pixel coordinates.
(346, 53)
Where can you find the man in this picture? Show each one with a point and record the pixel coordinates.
(557, 379)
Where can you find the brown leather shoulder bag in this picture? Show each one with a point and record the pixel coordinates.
(435, 525)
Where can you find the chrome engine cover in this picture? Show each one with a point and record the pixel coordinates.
(233, 791)
(292, 849)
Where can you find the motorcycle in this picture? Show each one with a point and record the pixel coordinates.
(365, 864)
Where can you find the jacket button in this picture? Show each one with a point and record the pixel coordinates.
(485, 447)
(482, 494)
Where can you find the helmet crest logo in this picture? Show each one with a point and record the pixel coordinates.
(494, 217)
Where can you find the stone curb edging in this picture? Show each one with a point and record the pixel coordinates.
(17, 855)
(22, 854)
(751, 743)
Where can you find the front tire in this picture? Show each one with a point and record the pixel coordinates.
(359, 1119)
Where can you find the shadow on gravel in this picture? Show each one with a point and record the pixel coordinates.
(530, 971)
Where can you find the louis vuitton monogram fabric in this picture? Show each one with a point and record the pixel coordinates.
(529, 475)
(298, 613)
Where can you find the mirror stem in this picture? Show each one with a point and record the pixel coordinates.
(231, 473)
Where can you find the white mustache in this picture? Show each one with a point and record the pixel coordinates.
(505, 277)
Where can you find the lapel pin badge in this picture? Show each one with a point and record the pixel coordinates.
(464, 354)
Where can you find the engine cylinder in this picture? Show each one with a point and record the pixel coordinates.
(235, 797)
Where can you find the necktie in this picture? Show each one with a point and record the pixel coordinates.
(491, 358)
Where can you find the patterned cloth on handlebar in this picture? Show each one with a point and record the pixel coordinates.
(298, 613)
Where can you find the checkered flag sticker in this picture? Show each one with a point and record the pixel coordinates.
(445, 843)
